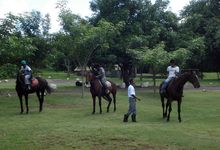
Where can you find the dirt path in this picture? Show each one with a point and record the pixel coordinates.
(78, 90)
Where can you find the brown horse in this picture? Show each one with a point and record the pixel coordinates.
(96, 90)
(174, 92)
(39, 88)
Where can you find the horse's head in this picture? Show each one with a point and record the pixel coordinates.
(89, 76)
(20, 78)
(193, 78)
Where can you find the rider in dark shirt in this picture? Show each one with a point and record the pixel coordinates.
(100, 74)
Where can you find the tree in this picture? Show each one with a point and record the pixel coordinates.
(202, 23)
(155, 58)
(13, 46)
(83, 40)
(142, 24)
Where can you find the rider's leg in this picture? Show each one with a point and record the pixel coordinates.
(105, 86)
(27, 81)
(164, 85)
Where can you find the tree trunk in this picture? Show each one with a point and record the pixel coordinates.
(154, 78)
(218, 75)
(82, 76)
(68, 66)
(126, 72)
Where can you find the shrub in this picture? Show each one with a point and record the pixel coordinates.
(8, 71)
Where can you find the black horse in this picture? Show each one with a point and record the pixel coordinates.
(174, 92)
(39, 88)
(96, 90)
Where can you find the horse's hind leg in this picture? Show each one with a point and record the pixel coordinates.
(26, 103)
(179, 110)
(114, 101)
(109, 101)
(21, 104)
(40, 96)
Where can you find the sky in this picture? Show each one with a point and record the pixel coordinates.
(80, 7)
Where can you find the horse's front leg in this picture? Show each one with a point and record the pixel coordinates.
(179, 110)
(114, 101)
(26, 103)
(21, 104)
(94, 101)
(170, 109)
(162, 103)
(167, 105)
(109, 101)
(100, 104)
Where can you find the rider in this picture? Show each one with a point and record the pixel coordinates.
(101, 76)
(173, 71)
(27, 72)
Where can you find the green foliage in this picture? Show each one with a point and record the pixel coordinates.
(157, 58)
(182, 56)
(200, 25)
(8, 70)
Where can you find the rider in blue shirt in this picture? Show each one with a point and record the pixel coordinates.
(27, 72)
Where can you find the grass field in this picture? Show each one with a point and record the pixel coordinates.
(67, 123)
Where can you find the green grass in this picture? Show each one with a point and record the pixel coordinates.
(67, 123)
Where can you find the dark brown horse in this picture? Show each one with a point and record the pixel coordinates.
(174, 92)
(39, 88)
(96, 90)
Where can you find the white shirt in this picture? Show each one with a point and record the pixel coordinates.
(172, 71)
(26, 68)
(131, 90)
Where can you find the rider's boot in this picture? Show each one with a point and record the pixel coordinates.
(125, 118)
(133, 117)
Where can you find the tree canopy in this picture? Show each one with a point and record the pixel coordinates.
(130, 33)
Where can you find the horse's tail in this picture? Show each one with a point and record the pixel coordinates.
(48, 88)
(51, 87)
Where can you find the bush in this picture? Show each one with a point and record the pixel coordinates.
(8, 71)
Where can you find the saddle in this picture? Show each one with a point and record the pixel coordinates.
(34, 82)
(106, 89)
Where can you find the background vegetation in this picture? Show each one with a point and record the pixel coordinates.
(134, 34)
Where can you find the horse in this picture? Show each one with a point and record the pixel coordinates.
(39, 85)
(174, 92)
(96, 90)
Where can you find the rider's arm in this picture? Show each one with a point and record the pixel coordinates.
(100, 74)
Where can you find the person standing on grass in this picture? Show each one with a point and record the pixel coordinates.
(132, 102)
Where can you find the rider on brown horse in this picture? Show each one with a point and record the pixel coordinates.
(100, 74)
(173, 71)
(27, 73)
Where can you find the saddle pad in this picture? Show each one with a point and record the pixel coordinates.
(35, 82)
(108, 84)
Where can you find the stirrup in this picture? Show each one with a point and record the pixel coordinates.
(29, 87)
